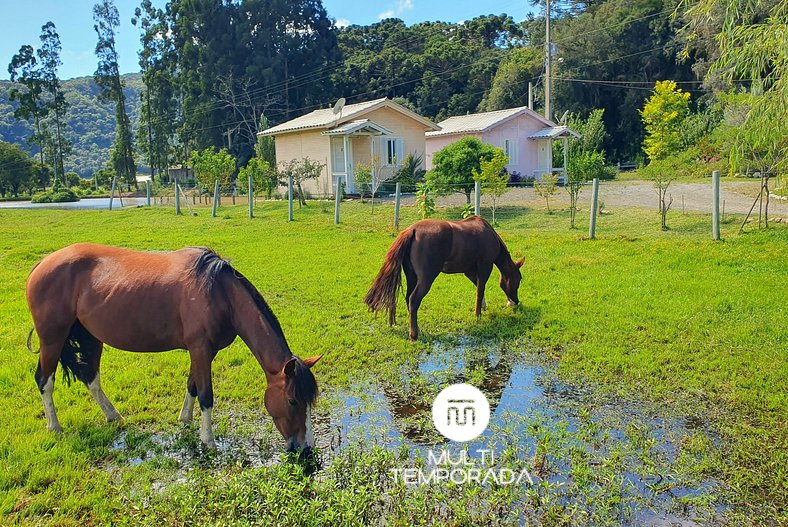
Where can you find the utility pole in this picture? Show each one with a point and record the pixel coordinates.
(530, 95)
(548, 82)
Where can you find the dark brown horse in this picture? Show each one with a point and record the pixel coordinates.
(430, 247)
(86, 295)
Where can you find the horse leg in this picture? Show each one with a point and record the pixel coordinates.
(201, 372)
(187, 410)
(481, 284)
(91, 349)
(411, 279)
(45, 378)
(418, 294)
(474, 279)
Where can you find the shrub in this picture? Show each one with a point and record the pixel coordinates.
(55, 196)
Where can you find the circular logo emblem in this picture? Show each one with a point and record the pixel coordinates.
(461, 412)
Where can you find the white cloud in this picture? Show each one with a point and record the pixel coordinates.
(401, 7)
(342, 22)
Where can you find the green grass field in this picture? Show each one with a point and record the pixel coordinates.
(696, 327)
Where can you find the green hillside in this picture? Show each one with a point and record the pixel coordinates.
(91, 122)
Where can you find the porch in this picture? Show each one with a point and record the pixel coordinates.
(354, 143)
(544, 143)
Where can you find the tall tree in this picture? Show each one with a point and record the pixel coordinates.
(49, 58)
(157, 60)
(24, 70)
(107, 76)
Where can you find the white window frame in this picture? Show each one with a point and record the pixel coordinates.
(398, 152)
(510, 149)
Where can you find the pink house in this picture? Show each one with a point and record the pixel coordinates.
(525, 136)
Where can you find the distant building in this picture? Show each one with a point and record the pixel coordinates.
(183, 173)
(379, 129)
(525, 136)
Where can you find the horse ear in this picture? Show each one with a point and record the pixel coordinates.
(289, 369)
(312, 360)
(519, 263)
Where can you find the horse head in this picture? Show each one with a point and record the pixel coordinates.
(510, 282)
(288, 399)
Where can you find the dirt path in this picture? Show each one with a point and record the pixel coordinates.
(737, 195)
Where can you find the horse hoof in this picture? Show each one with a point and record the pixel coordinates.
(209, 445)
(114, 418)
(56, 429)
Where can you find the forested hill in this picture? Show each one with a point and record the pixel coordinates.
(91, 122)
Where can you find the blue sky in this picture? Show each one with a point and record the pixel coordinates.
(21, 24)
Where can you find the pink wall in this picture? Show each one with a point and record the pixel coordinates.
(433, 144)
(517, 129)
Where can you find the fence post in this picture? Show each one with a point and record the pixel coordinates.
(112, 192)
(594, 206)
(337, 201)
(147, 192)
(715, 209)
(290, 197)
(397, 196)
(177, 198)
(477, 198)
(251, 198)
(215, 198)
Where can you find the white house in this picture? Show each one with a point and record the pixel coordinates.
(525, 136)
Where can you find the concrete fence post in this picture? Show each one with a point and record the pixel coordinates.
(337, 200)
(147, 192)
(177, 198)
(112, 192)
(290, 198)
(215, 198)
(477, 198)
(715, 210)
(397, 196)
(594, 207)
(251, 197)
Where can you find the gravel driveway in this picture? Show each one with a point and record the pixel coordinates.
(737, 195)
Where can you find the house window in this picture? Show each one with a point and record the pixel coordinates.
(393, 149)
(510, 149)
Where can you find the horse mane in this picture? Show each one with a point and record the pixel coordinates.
(207, 268)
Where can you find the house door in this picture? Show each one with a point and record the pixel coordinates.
(544, 156)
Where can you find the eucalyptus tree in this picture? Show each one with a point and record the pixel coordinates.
(24, 70)
(155, 135)
(42, 98)
(107, 77)
(49, 62)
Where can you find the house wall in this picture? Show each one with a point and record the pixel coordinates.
(312, 144)
(298, 145)
(517, 129)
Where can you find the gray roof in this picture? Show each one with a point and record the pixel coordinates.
(363, 125)
(553, 132)
(326, 118)
(481, 122)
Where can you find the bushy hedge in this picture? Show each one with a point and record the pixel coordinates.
(55, 196)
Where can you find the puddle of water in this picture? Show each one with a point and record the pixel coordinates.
(84, 203)
(245, 441)
(563, 433)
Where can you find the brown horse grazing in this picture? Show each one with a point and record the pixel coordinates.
(430, 247)
(86, 295)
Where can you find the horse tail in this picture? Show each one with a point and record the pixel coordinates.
(30, 342)
(383, 293)
(76, 353)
